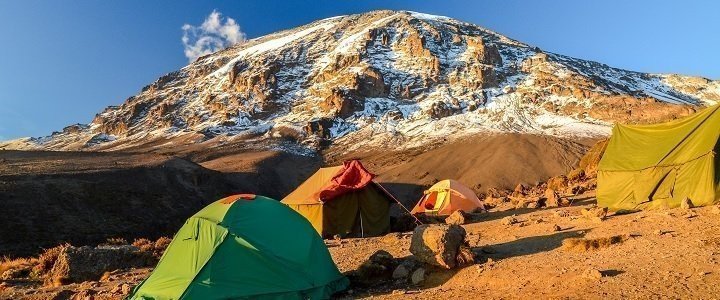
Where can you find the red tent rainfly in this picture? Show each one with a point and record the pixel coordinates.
(351, 178)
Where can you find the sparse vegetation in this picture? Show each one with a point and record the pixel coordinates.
(15, 268)
(156, 248)
(47, 259)
(582, 245)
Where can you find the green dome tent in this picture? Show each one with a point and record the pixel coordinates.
(658, 166)
(240, 247)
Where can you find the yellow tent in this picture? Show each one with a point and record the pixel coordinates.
(343, 200)
(445, 197)
(658, 166)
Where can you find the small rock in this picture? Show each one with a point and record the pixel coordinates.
(557, 228)
(557, 183)
(659, 232)
(509, 220)
(376, 268)
(552, 199)
(595, 213)
(593, 274)
(458, 217)
(521, 203)
(401, 272)
(686, 203)
(418, 276)
(490, 262)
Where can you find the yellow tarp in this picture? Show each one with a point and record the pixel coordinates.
(657, 166)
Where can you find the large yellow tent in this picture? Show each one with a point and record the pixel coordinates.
(658, 166)
(445, 197)
(343, 200)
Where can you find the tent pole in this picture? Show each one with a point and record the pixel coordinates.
(417, 221)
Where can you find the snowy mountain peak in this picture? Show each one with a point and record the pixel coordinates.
(385, 78)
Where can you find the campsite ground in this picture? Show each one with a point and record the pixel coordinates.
(669, 254)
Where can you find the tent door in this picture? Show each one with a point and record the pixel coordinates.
(442, 196)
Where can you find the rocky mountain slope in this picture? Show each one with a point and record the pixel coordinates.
(392, 79)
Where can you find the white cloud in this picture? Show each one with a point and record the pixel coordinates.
(215, 33)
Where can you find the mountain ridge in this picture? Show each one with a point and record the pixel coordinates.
(393, 79)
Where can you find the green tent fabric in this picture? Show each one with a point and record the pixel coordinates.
(658, 166)
(244, 247)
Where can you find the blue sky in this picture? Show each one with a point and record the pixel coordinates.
(61, 62)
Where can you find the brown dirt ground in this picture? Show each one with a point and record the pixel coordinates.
(86, 197)
(670, 254)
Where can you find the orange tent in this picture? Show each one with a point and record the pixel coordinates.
(445, 197)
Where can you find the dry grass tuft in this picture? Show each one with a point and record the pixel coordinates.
(47, 259)
(583, 245)
(57, 281)
(162, 243)
(105, 276)
(18, 264)
(156, 248)
(144, 245)
(465, 256)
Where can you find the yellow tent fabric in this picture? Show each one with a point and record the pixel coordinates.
(658, 166)
(445, 197)
(361, 213)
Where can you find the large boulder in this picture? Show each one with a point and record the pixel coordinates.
(437, 244)
(79, 264)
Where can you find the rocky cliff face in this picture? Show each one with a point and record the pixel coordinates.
(387, 79)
